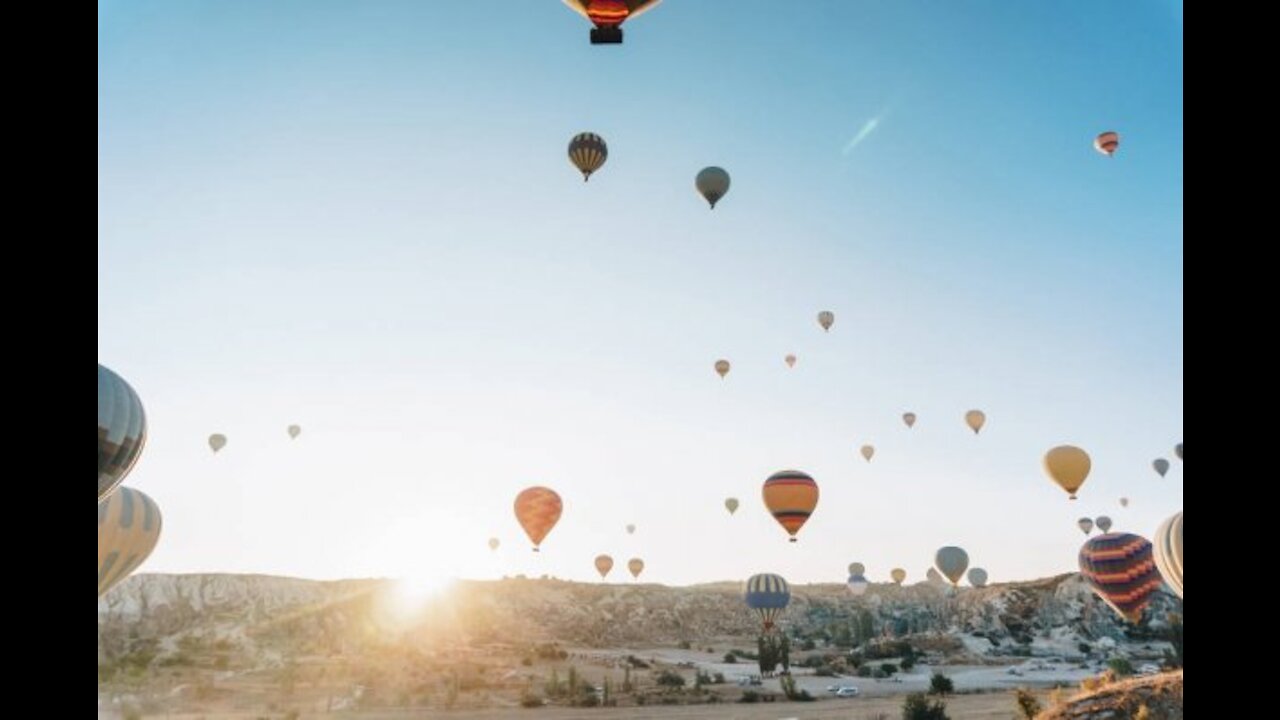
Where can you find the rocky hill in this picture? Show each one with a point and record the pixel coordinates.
(1152, 698)
(269, 617)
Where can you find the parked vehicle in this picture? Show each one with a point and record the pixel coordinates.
(847, 691)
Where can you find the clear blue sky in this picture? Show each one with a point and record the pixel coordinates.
(359, 216)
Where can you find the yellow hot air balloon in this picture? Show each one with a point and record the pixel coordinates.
(493, 543)
(294, 431)
(868, 451)
(790, 360)
(604, 564)
(128, 530)
(1167, 550)
(217, 441)
(826, 319)
(898, 575)
(712, 183)
(910, 419)
(587, 152)
(975, 419)
(1068, 466)
(791, 497)
(722, 368)
(1107, 143)
(635, 566)
(538, 510)
(951, 561)
(731, 504)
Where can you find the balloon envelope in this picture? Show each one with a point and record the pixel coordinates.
(731, 504)
(790, 360)
(722, 368)
(975, 419)
(1177, 450)
(1167, 549)
(898, 575)
(128, 530)
(826, 319)
(604, 564)
(712, 183)
(538, 510)
(122, 430)
(631, 529)
(768, 595)
(295, 431)
(857, 585)
(1124, 502)
(1104, 523)
(635, 566)
(1121, 571)
(1068, 466)
(1160, 465)
(493, 543)
(977, 577)
(951, 561)
(587, 152)
(1085, 525)
(217, 441)
(790, 496)
(857, 568)
(909, 419)
(868, 451)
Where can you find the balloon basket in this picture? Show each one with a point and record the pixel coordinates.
(606, 36)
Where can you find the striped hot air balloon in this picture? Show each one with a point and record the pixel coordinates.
(768, 595)
(128, 529)
(1107, 143)
(587, 152)
(1121, 571)
(538, 510)
(1167, 550)
(791, 497)
(122, 430)
(608, 16)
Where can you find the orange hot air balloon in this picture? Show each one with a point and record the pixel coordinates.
(604, 564)
(1107, 143)
(791, 497)
(608, 16)
(975, 419)
(636, 566)
(538, 510)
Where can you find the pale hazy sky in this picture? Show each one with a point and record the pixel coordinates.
(359, 217)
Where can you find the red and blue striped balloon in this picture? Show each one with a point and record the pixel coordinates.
(1121, 570)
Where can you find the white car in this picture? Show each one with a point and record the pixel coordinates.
(1149, 669)
(847, 691)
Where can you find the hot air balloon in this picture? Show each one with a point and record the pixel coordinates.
(826, 319)
(858, 585)
(1124, 502)
(608, 16)
(722, 368)
(1068, 466)
(587, 152)
(1122, 572)
(122, 431)
(1104, 523)
(128, 529)
(977, 577)
(217, 441)
(934, 577)
(604, 564)
(790, 360)
(909, 419)
(712, 183)
(1167, 549)
(294, 431)
(898, 575)
(951, 561)
(1160, 465)
(1177, 450)
(857, 568)
(731, 504)
(768, 595)
(631, 529)
(636, 566)
(867, 452)
(493, 543)
(1085, 525)
(1107, 142)
(538, 510)
(791, 497)
(975, 419)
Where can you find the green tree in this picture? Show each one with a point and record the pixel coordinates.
(1120, 666)
(1028, 705)
(940, 684)
(626, 679)
(919, 707)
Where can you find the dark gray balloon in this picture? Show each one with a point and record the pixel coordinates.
(122, 430)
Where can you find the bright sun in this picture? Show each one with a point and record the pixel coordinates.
(411, 596)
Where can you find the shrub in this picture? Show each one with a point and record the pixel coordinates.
(918, 707)
(864, 671)
(685, 645)
(888, 668)
(718, 679)
(730, 658)
(908, 662)
(668, 678)
(636, 662)
(1085, 648)
(825, 671)
(1120, 666)
(530, 700)
(749, 696)
(1028, 705)
(940, 684)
